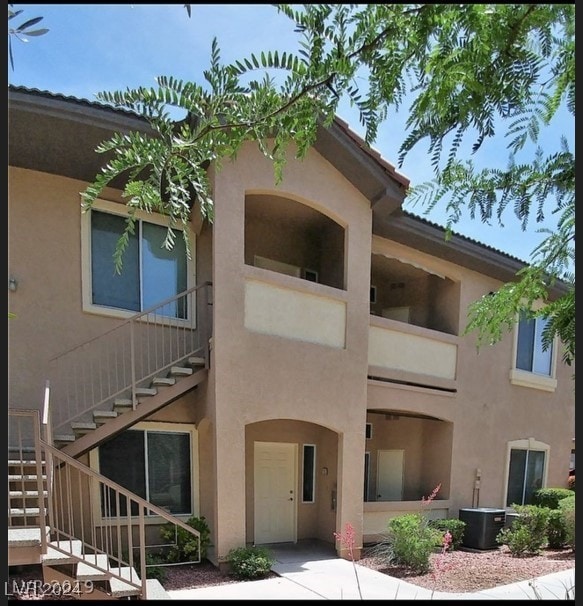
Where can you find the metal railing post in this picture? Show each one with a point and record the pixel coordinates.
(142, 531)
(48, 438)
(133, 365)
(42, 514)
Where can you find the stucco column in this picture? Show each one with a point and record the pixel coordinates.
(350, 487)
(230, 487)
(228, 310)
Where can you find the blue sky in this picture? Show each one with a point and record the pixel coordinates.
(92, 48)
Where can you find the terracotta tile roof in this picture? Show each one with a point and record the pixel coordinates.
(372, 152)
(342, 124)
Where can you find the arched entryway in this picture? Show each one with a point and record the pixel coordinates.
(291, 482)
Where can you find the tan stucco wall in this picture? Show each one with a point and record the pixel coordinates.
(254, 377)
(487, 410)
(260, 378)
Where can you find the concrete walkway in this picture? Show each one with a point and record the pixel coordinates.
(313, 572)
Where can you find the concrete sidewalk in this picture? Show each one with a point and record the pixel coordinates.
(317, 574)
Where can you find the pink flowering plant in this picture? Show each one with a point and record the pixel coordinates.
(347, 539)
(441, 565)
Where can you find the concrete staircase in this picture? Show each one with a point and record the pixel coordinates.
(26, 495)
(85, 576)
(87, 433)
(94, 567)
(65, 565)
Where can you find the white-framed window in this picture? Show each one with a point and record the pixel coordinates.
(156, 461)
(526, 470)
(368, 431)
(533, 366)
(309, 473)
(311, 275)
(530, 355)
(366, 475)
(150, 272)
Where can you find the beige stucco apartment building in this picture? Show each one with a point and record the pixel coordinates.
(333, 383)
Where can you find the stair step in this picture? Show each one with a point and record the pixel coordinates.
(21, 512)
(122, 404)
(26, 536)
(24, 478)
(83, 428)
(25, 494)
(180, 371)
(55, 557)
(146, 391)
(18, 463)
(156, 591)
(64, 438)
(196, 361)
(86, 570)
(121, 589)
(102, 416)
(163, 381)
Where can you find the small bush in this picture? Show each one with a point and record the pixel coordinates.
(528, 533)
(153, 571)
(185, 545)
(556, 529)
(567, 507)
(455, 527)
(250, 562)
(550, 497)
(411, 540)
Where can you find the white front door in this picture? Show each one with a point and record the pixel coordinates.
(275, 492)
(390, 475)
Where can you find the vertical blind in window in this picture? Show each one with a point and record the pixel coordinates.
(150, 272)
(155, 465)
(525, 475)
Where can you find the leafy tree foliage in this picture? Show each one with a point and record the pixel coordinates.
(23, 31)
(471, 69)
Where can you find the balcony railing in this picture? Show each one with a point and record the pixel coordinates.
(116, 363)
(408, 353)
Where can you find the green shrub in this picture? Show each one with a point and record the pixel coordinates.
(455, 527)
(185, 545)
(567, 507)
(411, 540)
(528, 533)
(556, 529)
(153, 571)
(250, 562)
(550, 497)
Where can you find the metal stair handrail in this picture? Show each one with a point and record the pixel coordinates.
(117, 362)
(78, 496)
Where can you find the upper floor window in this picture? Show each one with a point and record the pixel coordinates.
(533, 366)
(530, 355)
(150, 274)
